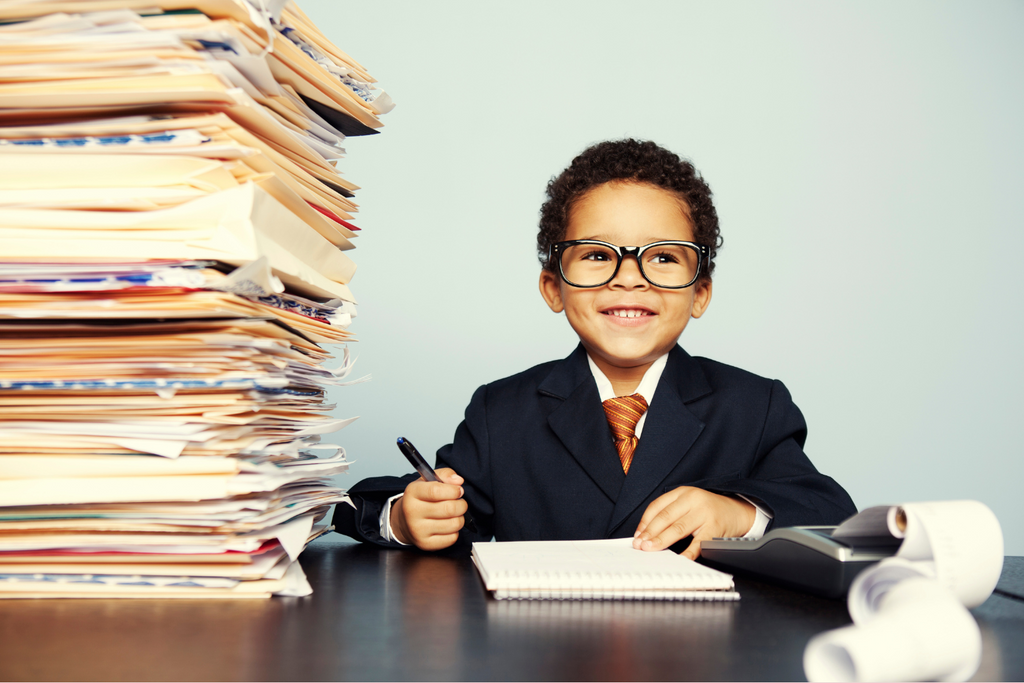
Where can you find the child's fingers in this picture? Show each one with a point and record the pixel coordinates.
(433, 491)
(444, 527)
(671, 523)
(417, 507)
(424, 540)
(693, 551)
(449, 476)
(437, 542)
(653, 510)
(676, 530)
(445, 509)
(658, 505)
(426, 527)
(434, 534)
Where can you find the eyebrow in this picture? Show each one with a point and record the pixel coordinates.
(649, 241)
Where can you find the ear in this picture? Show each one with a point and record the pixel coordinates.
(551, 290)
(701, 297)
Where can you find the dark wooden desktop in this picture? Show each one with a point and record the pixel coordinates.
(392, 615)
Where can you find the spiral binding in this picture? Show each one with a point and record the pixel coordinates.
(540, 585)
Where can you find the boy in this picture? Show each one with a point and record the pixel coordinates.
(629, 435)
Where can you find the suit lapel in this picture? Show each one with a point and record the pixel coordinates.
(669, 432)
(580, 424)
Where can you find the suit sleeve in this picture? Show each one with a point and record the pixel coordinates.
(361, 520)
(782, 478)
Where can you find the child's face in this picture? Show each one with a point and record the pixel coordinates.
(627, 214)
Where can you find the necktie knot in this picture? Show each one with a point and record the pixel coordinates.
(623, 413)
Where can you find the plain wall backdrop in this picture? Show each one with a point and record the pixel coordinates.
(867, 161)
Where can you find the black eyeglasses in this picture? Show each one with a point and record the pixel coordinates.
(592, 263)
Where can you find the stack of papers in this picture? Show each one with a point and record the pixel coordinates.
(173, 267)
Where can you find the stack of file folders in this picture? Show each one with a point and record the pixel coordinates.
(173, 267)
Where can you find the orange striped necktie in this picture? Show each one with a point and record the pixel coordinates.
(623, 413)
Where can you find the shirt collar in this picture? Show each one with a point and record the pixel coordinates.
(647, 385)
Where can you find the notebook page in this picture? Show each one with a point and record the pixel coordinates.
(612, 563)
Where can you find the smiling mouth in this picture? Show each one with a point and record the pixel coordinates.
(627, 312)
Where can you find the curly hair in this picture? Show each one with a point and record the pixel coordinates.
(628, 161)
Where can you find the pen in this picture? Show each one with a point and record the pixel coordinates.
(421, 466)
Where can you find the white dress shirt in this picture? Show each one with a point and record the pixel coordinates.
(646, 388)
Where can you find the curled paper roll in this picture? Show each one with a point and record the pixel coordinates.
(910, 611)
(872, 586)
(919, 631)
(959, 542)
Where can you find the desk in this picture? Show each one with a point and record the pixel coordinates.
(392, 615)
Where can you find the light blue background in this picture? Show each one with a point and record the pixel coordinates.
(866, 159)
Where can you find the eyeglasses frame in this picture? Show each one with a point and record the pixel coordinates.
(635, 252)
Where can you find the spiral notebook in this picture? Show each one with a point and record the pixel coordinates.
(595, 570)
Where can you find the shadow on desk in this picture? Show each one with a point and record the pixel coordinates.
(391, 615)
(597, 640)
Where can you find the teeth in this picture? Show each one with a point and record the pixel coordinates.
(629, 313)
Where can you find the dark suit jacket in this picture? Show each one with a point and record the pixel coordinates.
(540, 463)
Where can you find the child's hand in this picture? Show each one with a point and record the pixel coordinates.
(687, 510)
(430, 513)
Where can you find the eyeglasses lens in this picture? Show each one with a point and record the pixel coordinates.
(665, 265)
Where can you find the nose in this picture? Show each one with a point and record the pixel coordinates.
(629, 275)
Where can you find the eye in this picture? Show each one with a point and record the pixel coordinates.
(596, 255)
(663, 258)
